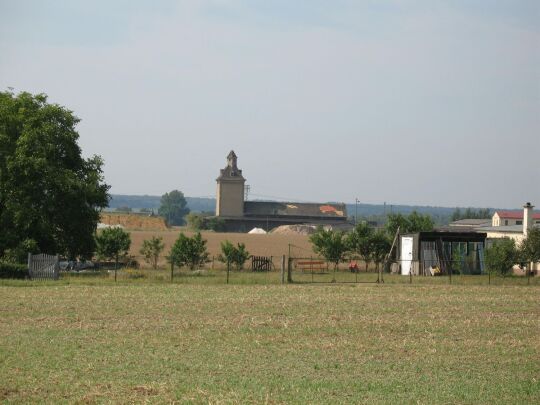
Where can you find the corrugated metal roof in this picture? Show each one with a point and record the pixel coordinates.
(470, 222)
(503, 228)
(270, 208)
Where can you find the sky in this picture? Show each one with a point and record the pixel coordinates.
(405, 102)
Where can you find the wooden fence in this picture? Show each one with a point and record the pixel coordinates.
(43, 267)
(261, 263)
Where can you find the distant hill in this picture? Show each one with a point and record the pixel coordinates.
(374, 212)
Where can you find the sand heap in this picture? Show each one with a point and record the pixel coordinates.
(133, 221)
(294, 230)
(257, 231)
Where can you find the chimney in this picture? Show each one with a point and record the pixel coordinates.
(527, 218)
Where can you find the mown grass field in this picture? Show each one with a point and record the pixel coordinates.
(89, 340)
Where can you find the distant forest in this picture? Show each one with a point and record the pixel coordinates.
(152, 202)
(370, 212)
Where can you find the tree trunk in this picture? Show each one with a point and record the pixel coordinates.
(115, 266)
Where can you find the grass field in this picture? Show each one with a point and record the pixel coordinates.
(92, 341)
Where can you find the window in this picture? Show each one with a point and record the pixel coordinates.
(506, 222)
(519, 222)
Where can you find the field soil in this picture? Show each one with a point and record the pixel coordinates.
(100, 342)
(258, 245)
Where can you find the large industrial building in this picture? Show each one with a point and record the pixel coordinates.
(242, 216)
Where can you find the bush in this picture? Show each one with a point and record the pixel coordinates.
(196, 221)
(12, 270)
(151, 249)
(235, 255)
(112, 243)
(205, 221)
(215, 224)
(188, 251)
(501, 256)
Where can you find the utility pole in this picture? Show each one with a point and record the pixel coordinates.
(355, 210)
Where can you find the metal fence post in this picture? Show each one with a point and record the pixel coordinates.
(57, 267)
(283, 269)
(289, 271)
(228, 269)
(30, 265)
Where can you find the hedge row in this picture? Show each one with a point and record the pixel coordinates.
(12, 270)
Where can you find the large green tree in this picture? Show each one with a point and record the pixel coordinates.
(173, 207)
(49, 194)
(414, 222)
(359, 242)
(330, 244)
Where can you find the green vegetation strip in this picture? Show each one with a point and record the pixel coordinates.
(94, 341)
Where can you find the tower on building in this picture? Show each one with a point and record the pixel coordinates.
(230, 189)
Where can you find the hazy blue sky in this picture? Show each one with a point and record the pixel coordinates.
(413, 102)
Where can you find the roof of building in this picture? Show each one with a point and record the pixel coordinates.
(270, 208)
(462, 229)
(445, 235)
(470, 222)
(231, 172)
(514, 214)
(504, 228)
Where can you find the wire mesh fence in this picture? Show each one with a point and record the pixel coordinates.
(299, 270)
(256, 270)
(317, 270)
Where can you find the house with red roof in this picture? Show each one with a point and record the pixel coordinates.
(509, 218)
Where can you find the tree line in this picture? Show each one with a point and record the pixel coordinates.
(372, 245)
(366, 242)
(471, 213)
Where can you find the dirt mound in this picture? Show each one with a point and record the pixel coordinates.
(133, 221)
(294, 230)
